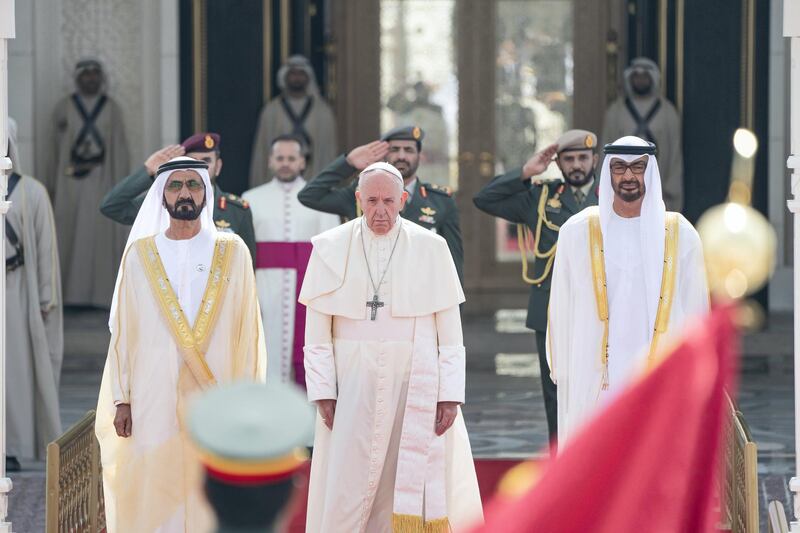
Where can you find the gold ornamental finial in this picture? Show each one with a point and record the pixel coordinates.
(739, 243)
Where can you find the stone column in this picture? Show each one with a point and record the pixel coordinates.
(791, 28)
(6, 33)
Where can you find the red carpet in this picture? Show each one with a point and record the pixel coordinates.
(489, 471)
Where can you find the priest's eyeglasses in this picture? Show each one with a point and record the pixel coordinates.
(192, 184)
(618, 168)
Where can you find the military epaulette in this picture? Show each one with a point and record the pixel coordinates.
(233, 199)
(438, 189)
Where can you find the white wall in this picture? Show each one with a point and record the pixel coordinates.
(137, 41)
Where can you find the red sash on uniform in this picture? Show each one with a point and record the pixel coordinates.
(294, 255)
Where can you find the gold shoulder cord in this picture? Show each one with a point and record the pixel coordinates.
(523, 235)
(600, 288)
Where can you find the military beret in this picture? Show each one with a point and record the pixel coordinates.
(202, 142)
(250, 433)
(405, 133)
(576, 140)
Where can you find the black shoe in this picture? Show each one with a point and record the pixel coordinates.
(12, 464)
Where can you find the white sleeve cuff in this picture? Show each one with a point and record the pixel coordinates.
(452, 370)
(320, 372)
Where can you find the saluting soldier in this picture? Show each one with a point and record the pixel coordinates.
(231, 213)
(430, 206)
(543, 206)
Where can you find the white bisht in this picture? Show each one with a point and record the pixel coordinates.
(160, 356)
(633, 254)
(382, 464)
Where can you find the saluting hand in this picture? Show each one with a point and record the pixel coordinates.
(539, 162)
(445, 416)
(122, 420)
(363, 156)
(160, 157)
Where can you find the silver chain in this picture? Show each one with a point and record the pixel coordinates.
(366, 259)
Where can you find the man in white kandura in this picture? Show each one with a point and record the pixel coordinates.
(34, 322)
(385, 364)
(184, 317)
(648, 279)
(284, 228)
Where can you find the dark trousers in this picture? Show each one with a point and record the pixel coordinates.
(548, 387)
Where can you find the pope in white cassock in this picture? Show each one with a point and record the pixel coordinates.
(184, 317)
(627, 275)
(385, 364)
(284, 228)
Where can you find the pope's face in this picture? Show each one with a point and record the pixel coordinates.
(286, 160)
(382, 198)
(627, 179)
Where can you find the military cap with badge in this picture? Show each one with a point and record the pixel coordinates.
(405, 133)
(251, 441)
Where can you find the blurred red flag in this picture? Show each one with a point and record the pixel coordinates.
(648, 462)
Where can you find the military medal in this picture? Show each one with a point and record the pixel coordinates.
(427, 215)
(554, 203)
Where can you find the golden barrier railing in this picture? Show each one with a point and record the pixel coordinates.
(740, 490)
(74, 484)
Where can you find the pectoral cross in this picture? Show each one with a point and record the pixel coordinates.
(374, 304)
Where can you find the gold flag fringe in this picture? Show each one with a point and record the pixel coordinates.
(406, 523)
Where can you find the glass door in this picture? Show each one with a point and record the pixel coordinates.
(490, 82)
(533, 90)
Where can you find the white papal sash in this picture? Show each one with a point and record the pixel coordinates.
(420, 481)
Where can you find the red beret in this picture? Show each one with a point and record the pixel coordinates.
(202, 142)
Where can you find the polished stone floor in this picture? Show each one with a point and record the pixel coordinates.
(504, 410)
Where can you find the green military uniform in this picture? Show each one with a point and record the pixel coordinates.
(519, 201)
(250, 438)
(231, 213)
(430, 206)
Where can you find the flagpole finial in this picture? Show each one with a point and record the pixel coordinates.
(739, 244)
